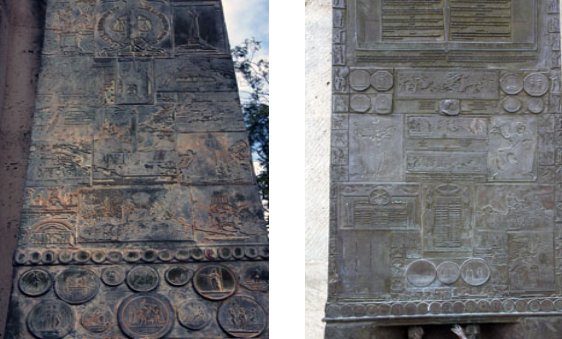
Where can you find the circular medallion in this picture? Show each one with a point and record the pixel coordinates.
(35, 282)
(512, 104)
(421, 273)
(509, 306)
(115, 257)
(359, 80)
(547, 306)
(475, 272)
(194, 315)
(512, 83)
(382, 81)
(50, 319)
(143, 279)
(536, 84)
(165, 255)
(535, 105)
(448, 272)
(113, 276)
(534, 305)
(98, 257)
(65, 257)
(360, 103)
(146, 316)
(96, 320)
(450, 107)
(256, 277)
(77, 285)
(178, 276)
(214, 282)
(383, 104)
(242, 317)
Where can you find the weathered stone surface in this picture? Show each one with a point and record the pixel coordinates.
(140, 201)
(445, 202)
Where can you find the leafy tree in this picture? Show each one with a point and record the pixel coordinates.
(255, 76)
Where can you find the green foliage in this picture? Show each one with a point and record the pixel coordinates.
(256, 107)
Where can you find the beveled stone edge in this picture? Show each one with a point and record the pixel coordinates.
(370, 311)
(100, 256)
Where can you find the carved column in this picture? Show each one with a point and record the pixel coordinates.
(142, 216)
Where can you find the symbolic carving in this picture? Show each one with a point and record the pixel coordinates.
(512, 104)
(50, 319)
(536, 84)
(475, 272)
(374, 148)
(256, 277)
(450, 107)
(197, 29)
(195, 315)
(360, 103)
(143, 279)
(113, 276)
(513, 144)
(242, 317)
(35, 282)
(535, 105)
(178, 276)
(382, 81)
(360, 80)
(134, 83)
(133, 28)
(512, 83)
(96, 319)
(53, 232)
(383, 103)
(531, 259)
(448, 272)
(146, 316)
(421, 273)
(215, 282)
(77, 285)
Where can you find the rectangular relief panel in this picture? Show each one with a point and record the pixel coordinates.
(446, 162)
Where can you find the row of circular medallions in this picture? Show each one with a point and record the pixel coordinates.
(422, 273)
(49, 257)
(146, 314)
(445, 307)
(535, 85)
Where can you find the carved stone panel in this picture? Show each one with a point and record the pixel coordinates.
(445, 204)
(142, 216)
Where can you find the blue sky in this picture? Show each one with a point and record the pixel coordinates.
(246, 19)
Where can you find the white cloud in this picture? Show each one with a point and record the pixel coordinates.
(246, 19)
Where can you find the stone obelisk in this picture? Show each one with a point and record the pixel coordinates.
(142, 217)
(446, 170)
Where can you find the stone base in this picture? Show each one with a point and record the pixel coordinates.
(530, 328)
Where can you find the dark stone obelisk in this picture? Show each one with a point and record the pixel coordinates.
(446, 169)
(142, 217)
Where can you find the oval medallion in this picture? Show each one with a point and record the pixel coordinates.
(96, 320)
(35, 282)
(146, 316)
(50, 319)
(512, 83)
(77, 285)
(194, 315)
(242, 317)
(143, 279)
(215, 282)
(178, 276)
(113, 276)
(256, 278)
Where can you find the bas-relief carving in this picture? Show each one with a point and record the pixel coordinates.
(137, 101)
(375, 148)
(477, 136)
